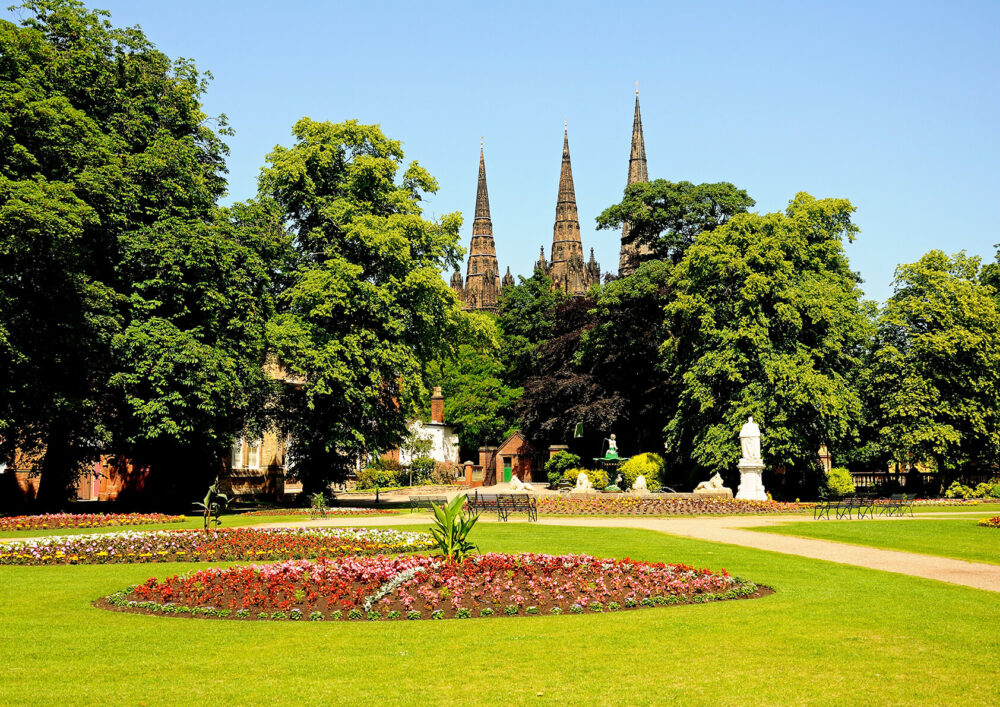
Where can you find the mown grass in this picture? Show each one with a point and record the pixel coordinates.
(830, 633)
(988, 508)
(959, 537)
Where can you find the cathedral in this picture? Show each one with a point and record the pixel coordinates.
(566, 266)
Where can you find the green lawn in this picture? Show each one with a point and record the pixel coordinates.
(855, 634)
(984, 508)
(232, 521)
(958, 537)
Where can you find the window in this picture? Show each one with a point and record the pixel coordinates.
(236, 453)
(253, 454)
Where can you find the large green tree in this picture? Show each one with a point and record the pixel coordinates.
(667, 216)
(526, 319)
(477, 400)
(767, 320)
(935, 378)
(132, 307)
(365, 307)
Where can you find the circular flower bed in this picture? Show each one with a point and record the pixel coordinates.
(324, 513)
(421, 587)
(615, 505)
(83, 520)
(990, 522)
(224, 544)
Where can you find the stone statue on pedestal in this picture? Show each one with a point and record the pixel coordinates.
(751, 465)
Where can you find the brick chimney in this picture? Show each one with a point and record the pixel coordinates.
(437, 406)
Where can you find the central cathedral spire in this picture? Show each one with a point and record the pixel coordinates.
(566, 266)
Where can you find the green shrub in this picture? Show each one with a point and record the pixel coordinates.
(598, 477)
(648, 465)
(839, 482)
(388, 464)
(986, 491)
(373, 476)
(445, 473)
(559, 464)
(421, 469)
(958, 490)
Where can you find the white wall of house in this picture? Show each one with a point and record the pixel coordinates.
(444, 441)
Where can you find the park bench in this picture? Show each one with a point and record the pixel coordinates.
(519, 503)
(504, 504)
(486, 502)
(845, 508)
(896, 505)
(426, 501)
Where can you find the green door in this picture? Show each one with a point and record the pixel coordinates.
(507, 469)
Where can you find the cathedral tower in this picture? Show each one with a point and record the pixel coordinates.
(631, 254)
(566, 266)
(482, 278)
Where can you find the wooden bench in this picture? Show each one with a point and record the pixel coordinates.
(845, 508)
(896, 505)
(504, 504)
(426, 501)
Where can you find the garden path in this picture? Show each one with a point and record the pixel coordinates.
(733, 530)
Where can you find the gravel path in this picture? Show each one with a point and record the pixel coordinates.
(731, 530)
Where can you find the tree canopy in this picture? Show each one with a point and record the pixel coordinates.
(935, 378)
(667, 216)
(364, 306)
(131, 318)
(478, 402)
(767, 320)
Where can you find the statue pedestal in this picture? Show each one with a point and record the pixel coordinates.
(713, 493)
(751, 487)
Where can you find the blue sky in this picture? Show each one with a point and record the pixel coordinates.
(892, 105)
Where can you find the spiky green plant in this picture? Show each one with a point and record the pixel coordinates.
(451, 529)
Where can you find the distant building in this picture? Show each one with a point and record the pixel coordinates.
(570, 272)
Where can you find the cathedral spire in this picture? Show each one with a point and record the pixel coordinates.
(566, 266)
(637, 159)
(482, 279)
(631, 254)
(482, 195)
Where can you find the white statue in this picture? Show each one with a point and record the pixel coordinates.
(714, 487)
(517, 485)
(639, 485)
(583, 483)
(713, 484)
(750, 441)
(751, 465)
(612, 448)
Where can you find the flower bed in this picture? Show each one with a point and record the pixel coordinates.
(993, 522)
(421, 587)
(84, 520)
(638, 505)
(324, 513)
(947, 502)
(224, 544)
